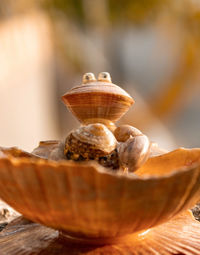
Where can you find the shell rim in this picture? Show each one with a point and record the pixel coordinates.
(73, 91)
(94, 166)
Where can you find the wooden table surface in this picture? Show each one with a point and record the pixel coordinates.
(23, 237)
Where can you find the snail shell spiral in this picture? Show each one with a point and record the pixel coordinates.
(123, 132)
(134, 147)
(92, 142)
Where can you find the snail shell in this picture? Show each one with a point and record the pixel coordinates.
(134, 147)
(90, 142)
(134, 152)
(123, 132)
(98, 100)
(93, 142)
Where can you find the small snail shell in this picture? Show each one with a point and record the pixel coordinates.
(98, 101)
(91, 141)
(123, 132)
(134, 147)
(134, 152)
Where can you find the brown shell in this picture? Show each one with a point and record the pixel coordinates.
(85, 200)
(97, 135)
(134, 152)
(124, 132)
(98, 101)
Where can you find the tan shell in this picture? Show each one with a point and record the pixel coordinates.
(97, 135)
(97, 101)
(86, 201)
(134, 152)
(123, 132)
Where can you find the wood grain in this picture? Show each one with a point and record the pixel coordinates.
(178, 236)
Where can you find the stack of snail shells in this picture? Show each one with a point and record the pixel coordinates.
(112, 150)
(98, 104)
(73, 186)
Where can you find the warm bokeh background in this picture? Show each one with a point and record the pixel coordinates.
(150, 47)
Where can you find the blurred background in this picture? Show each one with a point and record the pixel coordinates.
(150, 47)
